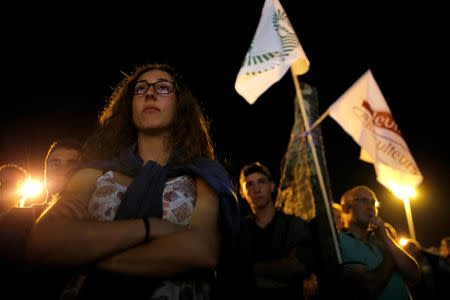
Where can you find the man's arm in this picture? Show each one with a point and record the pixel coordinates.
(368, 283)
(406, 265)
(298, 264)
(285, 270)
(197, 247)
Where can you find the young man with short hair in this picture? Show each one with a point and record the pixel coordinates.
(281, 244)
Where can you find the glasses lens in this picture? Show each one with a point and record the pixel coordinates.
(140, 88)
(366, 201)
(163, 87)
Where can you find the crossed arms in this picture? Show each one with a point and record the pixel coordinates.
(66, 235)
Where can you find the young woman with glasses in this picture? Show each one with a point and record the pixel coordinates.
(151, 213)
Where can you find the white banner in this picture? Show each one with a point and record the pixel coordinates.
(275, 48)
(363, 113)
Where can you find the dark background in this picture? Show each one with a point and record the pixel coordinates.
(59, 65)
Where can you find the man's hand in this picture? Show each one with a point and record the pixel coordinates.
(379, 227)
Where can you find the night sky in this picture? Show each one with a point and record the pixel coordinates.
(59, 69)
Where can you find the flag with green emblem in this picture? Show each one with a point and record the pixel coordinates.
(274, 49)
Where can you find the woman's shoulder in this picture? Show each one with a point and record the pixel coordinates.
(118, 177)
(84, 177)
(83, 181)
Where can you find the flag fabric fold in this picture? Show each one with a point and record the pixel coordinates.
(363, 113)
(275, 48)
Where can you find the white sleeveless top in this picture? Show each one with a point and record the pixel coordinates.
(177, 204)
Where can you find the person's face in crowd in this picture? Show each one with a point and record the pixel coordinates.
(362, 205)
(445, 248)
(257, 189)
(338, 217)
(154, 106)
(59, 164)
(10, 182)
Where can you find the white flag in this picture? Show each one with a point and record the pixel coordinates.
(275, 47)
(363, 113)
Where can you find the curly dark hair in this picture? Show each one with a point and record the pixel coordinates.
(116, 129)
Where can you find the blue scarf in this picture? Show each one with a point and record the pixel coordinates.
(144, 198)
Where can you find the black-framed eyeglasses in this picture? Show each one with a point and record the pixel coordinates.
(161, 87)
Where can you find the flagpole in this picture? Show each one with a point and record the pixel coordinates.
(409, 218)
(316, 163)
(319, 120)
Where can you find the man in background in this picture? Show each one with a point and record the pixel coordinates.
(63, 156)
(281, 244)
(11, 178)
(375, 265)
